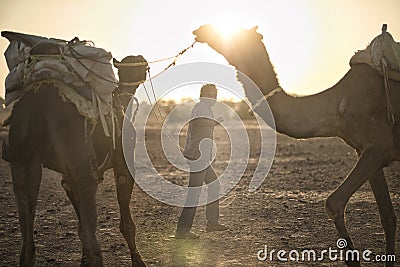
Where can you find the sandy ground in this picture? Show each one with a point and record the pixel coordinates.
(286, 213)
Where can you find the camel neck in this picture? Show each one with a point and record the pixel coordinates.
(305, 117)
(298, 117)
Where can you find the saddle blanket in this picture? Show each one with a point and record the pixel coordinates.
(34, 59)
(382, 47)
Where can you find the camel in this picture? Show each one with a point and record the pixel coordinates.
(354, 109)
(46, 130)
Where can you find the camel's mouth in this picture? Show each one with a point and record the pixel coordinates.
(202, 33)
(196, 38)
(207, 32)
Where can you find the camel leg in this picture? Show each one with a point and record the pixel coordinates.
(85, 193)
(82, 193)
(386, 211)
(370, 161)
(124, 182)
(73, 151)
(26, 182)
(66, 184)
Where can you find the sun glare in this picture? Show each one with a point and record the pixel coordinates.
(227, 28)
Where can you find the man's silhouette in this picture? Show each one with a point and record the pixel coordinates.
(199, 155)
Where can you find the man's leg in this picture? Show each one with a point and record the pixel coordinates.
(212, 208)
(187, 215)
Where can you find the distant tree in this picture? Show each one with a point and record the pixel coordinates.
(242, 110)
(160, 111)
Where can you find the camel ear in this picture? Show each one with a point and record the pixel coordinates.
(254, 28)
(115, 62)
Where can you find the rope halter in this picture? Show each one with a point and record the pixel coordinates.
(266, 97)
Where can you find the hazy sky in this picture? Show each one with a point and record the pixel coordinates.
(309, 41)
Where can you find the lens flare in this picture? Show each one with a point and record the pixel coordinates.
(227, 28)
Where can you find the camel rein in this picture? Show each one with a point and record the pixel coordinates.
(135, 64)
(157, 111)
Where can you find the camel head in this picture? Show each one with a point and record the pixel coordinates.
(132, 72)
(237, 44)
(244, 50)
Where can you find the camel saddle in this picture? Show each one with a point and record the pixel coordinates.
(382, 52)
(82, 73)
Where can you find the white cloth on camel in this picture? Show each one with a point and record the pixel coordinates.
(78, 65)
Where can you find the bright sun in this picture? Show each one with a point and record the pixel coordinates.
(226, 27)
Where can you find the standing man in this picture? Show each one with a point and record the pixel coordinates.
(198, 151)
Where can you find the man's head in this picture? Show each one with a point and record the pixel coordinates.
(209, 91)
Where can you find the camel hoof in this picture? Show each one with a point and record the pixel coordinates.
(137, 260)
(138, 263)
(28, 260)
(84, 261)
(353, 263)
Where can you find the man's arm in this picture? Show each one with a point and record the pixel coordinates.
(204, 122)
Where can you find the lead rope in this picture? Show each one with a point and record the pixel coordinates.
(158, 114)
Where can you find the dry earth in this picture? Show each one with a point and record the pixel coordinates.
(287, 212)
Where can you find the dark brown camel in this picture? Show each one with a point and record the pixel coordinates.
(354, 109)
(45, 130)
